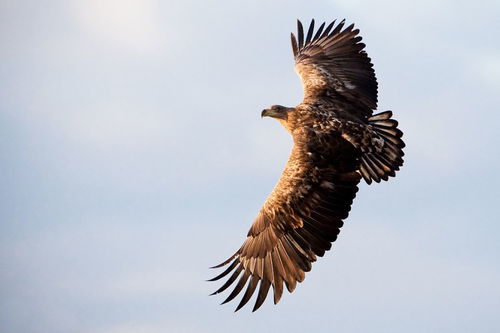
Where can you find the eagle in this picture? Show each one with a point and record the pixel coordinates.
(337, 141)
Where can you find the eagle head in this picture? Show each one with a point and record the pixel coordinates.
(276, 111)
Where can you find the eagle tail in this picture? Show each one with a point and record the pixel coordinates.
(380, 165)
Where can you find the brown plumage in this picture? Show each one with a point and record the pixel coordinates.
(337, 141)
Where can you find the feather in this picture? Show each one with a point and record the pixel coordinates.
(393, 132)
(396, 141)
(225, 262)
(310, 32)
(337, 58)
(318, 33)
(294, 45)
(296, 258)
(328, 29)
(338, 27)
(279, 274)
(263, 290)
(380, 116)
(373, 175)
(290, 268)
(390, 123)
(229, 269)
(239, 286)
(230, 281)
(300, 31)
(366, 174)
(376, 167)
(248, 292)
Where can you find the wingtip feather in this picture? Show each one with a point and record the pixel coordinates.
(300, 33)
(294, 45)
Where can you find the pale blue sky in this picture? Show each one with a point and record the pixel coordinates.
(133, 157)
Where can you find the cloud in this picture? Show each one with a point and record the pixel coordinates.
(116, 125)
(132, 24)
(487, 68)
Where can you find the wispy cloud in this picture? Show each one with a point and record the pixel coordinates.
(132, 24)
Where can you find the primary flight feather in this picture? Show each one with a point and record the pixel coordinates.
(337, 141)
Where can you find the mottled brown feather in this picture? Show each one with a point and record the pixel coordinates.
(333, 65)
(281, 248)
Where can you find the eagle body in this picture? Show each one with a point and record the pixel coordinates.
(337, 142)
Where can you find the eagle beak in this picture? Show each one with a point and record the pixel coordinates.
(274, 114)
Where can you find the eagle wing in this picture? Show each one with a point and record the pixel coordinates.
(298, 221)
(332, 64)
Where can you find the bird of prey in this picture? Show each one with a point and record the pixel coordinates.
(337, 141)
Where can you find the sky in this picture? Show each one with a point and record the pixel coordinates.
(133, 157)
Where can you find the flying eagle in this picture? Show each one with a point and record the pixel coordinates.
(337, 141)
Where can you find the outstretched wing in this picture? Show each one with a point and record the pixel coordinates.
(332, 64)
(298, 222)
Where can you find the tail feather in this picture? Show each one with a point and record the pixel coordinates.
(383, 164)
